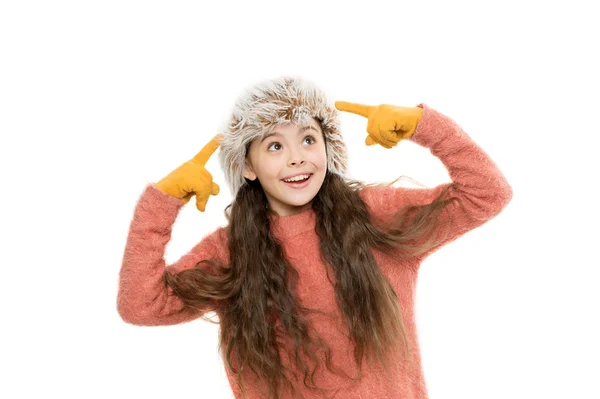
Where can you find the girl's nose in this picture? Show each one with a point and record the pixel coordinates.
(296, 157)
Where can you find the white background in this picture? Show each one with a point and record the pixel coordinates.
(98, 99)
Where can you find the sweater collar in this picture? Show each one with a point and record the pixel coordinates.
(291, 225)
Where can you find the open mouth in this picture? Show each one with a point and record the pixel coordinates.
(299, 183)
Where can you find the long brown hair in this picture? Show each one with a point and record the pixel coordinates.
(256, 289)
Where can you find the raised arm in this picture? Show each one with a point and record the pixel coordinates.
(476, 180)
(143, 296)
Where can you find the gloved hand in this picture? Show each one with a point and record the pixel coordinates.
(191, 178)
(387, 124)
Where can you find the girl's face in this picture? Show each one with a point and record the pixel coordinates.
(286, 151)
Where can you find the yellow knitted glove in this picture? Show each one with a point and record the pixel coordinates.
(191, 178)
(387, 124)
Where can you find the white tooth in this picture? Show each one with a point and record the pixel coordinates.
(298, 178)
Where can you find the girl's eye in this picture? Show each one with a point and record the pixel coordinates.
(312, 141)
(311, 138)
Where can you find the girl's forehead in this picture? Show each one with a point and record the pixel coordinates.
(312, 122)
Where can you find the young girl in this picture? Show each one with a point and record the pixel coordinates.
(313, 278)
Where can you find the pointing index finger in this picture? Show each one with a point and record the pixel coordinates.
(358, 109)
(208, 150)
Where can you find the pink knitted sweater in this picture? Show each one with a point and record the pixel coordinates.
(144, 299)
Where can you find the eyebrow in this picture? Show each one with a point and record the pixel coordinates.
(279, 134)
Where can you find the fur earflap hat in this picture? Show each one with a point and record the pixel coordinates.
(268, 104)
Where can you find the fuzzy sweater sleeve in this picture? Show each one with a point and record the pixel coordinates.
(143, 296)
(476, 180)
